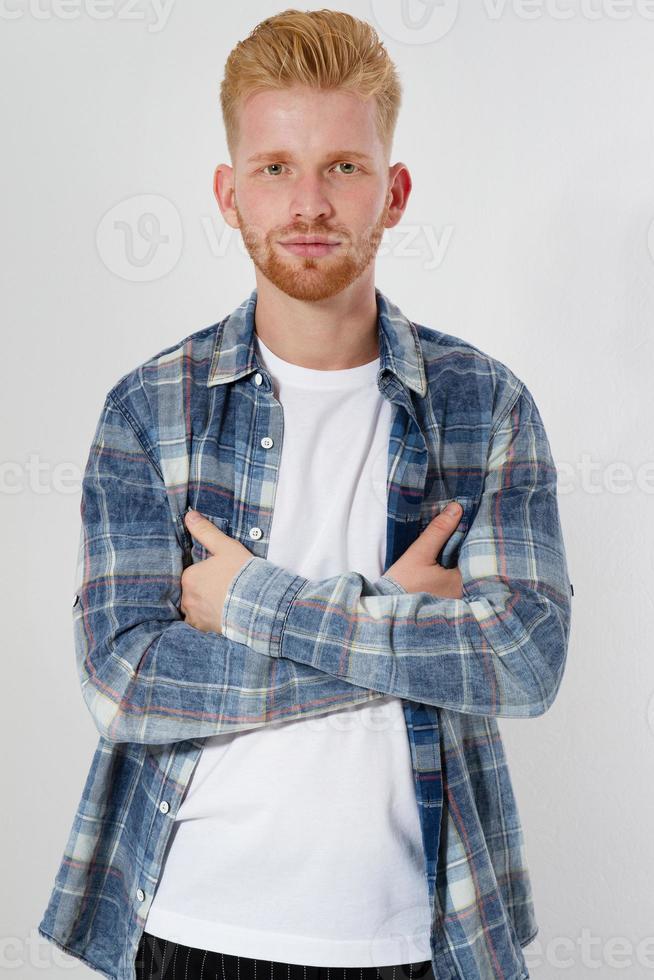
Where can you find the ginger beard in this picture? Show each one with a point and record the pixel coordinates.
(308, 277)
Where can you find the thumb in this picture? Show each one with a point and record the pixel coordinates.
(440, 527)
(203, 530)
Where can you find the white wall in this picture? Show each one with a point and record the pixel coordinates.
(528, 131)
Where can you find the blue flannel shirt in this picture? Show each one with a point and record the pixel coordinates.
(184, 429)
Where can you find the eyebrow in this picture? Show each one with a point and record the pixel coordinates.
(287, 155)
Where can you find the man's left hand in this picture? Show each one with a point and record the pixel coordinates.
(205, 583)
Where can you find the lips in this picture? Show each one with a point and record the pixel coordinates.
(311, 247)
(308, 240)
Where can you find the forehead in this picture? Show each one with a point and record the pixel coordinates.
(306, 120)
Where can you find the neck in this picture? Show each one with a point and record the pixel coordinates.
(326, 335)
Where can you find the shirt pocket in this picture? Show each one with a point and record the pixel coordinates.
(449, 553)
(194, 551)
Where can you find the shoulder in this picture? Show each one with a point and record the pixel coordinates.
(153, 397)
(185, 362)
(455, 365)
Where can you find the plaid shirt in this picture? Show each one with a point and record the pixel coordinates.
(184, 429)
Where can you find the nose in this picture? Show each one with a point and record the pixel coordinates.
(309, 201)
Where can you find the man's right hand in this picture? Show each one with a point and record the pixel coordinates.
(417, 571)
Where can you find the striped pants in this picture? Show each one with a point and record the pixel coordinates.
(163, 959)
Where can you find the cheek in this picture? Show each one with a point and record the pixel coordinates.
(361, 207)
(257, 208)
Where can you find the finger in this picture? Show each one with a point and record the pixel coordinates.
(450, 515)
(440, 528)
(203, 530)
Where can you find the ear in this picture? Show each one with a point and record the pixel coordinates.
(225, 193)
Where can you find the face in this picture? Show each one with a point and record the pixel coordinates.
(310, 163)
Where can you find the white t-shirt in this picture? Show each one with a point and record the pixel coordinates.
(300, 841)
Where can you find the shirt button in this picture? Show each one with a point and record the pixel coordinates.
(140, 894)
(164, 807)
(255, 533)
(266, 442)
(258, 379)
(75, 601)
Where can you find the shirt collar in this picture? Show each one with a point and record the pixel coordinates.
(399, 345)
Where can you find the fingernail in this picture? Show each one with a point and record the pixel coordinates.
(452, 508)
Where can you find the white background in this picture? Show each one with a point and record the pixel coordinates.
(527, 129)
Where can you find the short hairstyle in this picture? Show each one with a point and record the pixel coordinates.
(323, 49)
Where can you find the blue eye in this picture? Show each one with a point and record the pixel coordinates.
(343, 163)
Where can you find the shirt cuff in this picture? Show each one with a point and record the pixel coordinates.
(256, 605)
(388, 586)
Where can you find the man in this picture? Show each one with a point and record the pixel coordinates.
(294, 654)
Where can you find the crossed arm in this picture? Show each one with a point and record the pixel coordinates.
(146, 675)
(293, 647)
(498, 650)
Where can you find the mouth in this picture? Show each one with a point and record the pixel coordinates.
(310, 246)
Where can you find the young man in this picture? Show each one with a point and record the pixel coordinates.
(294, 655)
